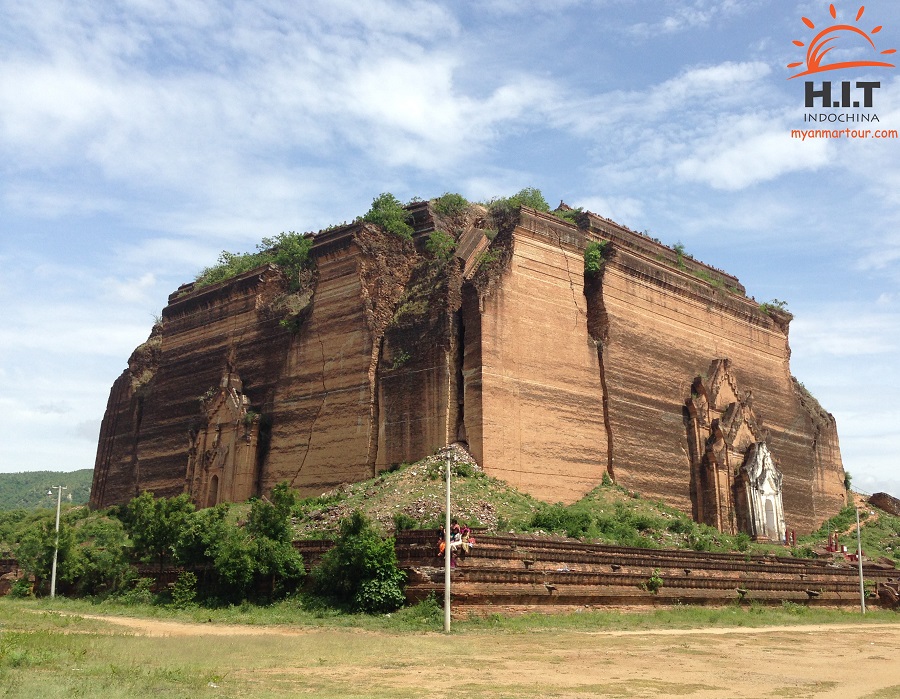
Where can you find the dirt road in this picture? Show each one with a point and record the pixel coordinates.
(801, 661)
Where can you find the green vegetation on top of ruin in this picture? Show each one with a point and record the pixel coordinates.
(594, 255)
(389, 212)
(773, 306)
(290, 251)
(530, 197)
(450, 204)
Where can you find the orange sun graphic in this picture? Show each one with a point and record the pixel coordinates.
(818, 47)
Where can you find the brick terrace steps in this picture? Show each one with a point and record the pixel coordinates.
(517, 573)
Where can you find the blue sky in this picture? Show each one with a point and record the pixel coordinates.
(140, 138)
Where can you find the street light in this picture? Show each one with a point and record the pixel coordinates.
(447, 554)
(59, 488)
(859, 554)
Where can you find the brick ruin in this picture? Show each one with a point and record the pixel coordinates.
(655, 369)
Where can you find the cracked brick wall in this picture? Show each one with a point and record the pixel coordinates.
(552, 378)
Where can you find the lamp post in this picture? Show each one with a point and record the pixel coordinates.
(59, 488)
(447, 547)
(862, 587)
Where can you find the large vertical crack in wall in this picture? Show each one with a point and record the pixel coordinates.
(312, 424)
(598, 330)
(565, 257)
(374, 403)
(385, 267)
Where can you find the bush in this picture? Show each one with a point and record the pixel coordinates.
(156, 525)
(680, 526)
(140, 593)
(360, 574)
(403, 522)
(184, 592)
(768, 307)
(570, 215)
(35, 551)
(654, 583)
(574, 522)
(529, 196)
(594, 255)
(390, 214)
(440, 245)
(20, 588)
(290, 251)
(451, 204)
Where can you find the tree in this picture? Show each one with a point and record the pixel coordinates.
(242, 558)
(269, 530)
(35, 550)
(99, 560)
(156, 525)
(202, 531)
(361, 573)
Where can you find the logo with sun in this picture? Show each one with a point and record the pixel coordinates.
(830, 37)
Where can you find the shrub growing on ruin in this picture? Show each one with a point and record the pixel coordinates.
(567, 213)
(290, 251)
(361, 574)
(531, 197)
(388, 212)
(451, 204)
(403, 522)
(229, 264)
(768, 307)
(594, 255)
(440, 245)
(574, 521)
(654, 583)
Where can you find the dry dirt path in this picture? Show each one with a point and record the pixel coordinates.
(846, 661)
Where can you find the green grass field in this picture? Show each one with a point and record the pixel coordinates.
(48, 650)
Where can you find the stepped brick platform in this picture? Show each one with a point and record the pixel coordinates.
(514, 574)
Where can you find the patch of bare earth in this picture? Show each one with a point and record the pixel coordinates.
(801, 661)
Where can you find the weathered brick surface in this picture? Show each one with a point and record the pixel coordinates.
(550, 376)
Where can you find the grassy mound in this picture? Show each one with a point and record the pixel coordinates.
(412, 496)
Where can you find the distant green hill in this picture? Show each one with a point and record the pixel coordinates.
(28, 490)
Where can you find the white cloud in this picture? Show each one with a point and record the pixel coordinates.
(691, 15)
(845, 331)
(748, 150)
(622, 210)
(131, 290)
(516, 7)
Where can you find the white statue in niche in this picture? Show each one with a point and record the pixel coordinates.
(758, 495)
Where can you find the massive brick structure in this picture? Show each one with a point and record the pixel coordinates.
(650, 367)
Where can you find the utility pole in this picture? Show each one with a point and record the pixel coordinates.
(862, 589)
(59, 488)
(447, 546)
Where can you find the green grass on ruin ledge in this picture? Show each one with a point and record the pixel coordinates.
(411, 496)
